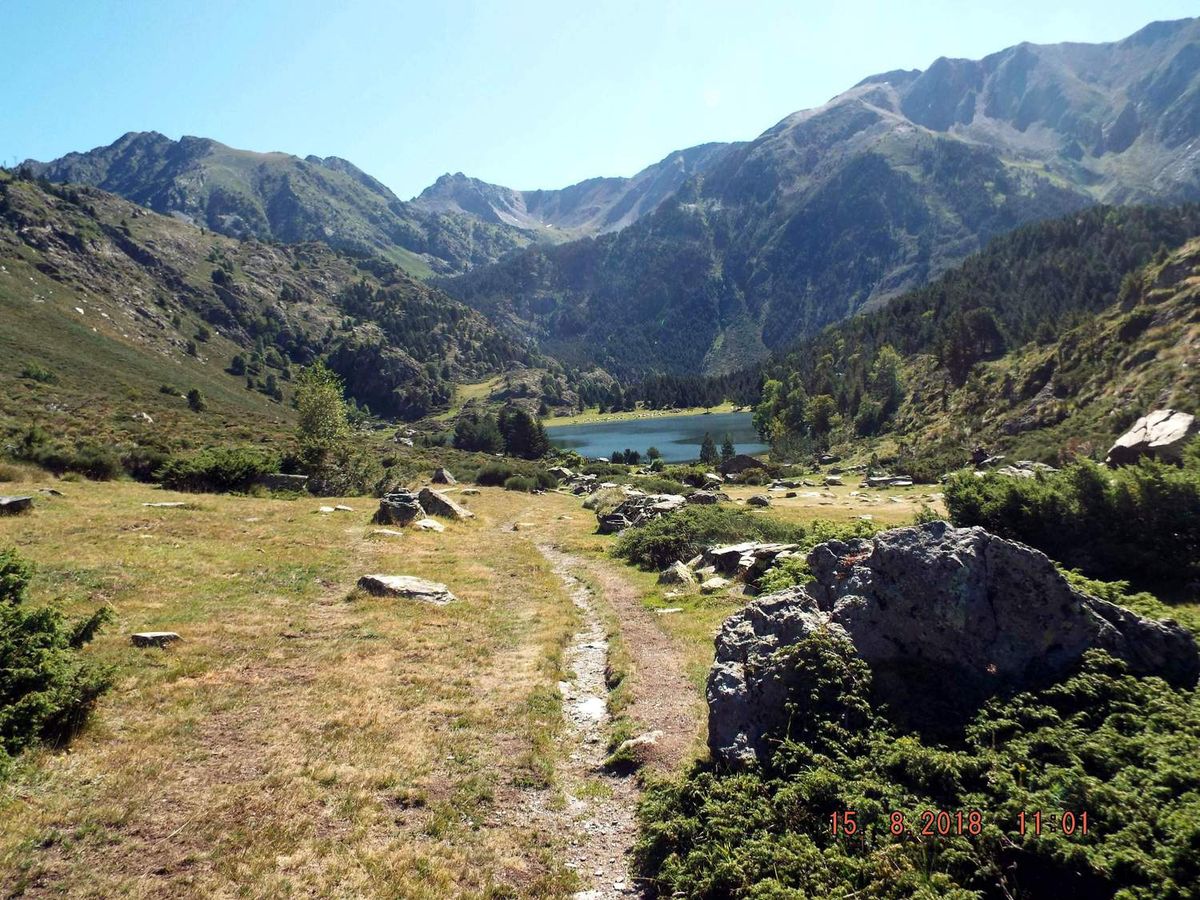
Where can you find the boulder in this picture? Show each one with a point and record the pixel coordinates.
(443, 476)
(279, 481)
(398, 508)
(926, 607)
(11, 506)
(677, 573)
(711, 478)
(408, 587)
(714, 584)
(735, 465)
(637, 508)
(707, 498)
(153, 638)
(562, 473)
(831, 480)
(438, 504)
(759, 500)
(1161, 434)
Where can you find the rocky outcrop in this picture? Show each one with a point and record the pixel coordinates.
(944, 616)
(1161, 434)
(407, 587)
(637, 509)
(438, 504)
(707, 498)
(399, 508)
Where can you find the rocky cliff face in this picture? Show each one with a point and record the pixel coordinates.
(945, 617)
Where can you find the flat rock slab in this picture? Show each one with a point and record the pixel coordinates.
(154, 638)
(408, 587)
(429, 525)
(174, 504)
(438, 504)
(388, 532)
(10, 506)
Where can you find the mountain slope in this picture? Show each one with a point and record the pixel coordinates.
(595, 206)
(104, 303)
(846, 206)
(276, 196)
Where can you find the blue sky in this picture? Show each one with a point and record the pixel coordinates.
(526, 94)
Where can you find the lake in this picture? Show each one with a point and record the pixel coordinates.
(678, 437)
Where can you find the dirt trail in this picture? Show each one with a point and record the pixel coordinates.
(600, 806)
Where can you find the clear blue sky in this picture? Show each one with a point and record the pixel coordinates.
(526, 94)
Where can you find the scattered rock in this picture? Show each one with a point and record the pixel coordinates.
(398, 508)
(759, 500)
(51, 492)
(279, 481)
(1161, 434)
(677, 573)
(927, 606)
(408, 587)
(11, 506)
(707, 498)
(443, 476)
(341, 507)
(173, 504)
(638, 508)
(670, 609)
(790, 495)
(714, 584)
(154, 638)
(831, 480)
(735, 465)
(142, 417)
(429, 525)
(438, 504)
(324, 509)
(637, 747)
(562, 473)
(711, 478)
(387, 532)
(470, 492)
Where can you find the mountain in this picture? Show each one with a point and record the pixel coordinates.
(276, 196)
(1057, 335)
(108, 311)
(595, 206)
(847, 206)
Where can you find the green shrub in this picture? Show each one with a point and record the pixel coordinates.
(494, 473)
(653, 485)
(520, 483)
(47, 688)
(95, 462)
(218, 469)
(1140, 523)
(37, 373)
(1125, 750)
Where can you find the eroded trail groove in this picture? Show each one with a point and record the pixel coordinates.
(600, 805)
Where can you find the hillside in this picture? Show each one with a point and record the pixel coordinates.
(277, 196)
(847, 206)
(111, 311)
(1048, 339)
(591, 207)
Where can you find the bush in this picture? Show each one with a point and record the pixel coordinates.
(1125, 750)
(37, 373)
(520, 483)
(660, 485)
(1140, 523)
(683, 534)
(494, 474)
(218, 469)
(47, 688)
(96, 462)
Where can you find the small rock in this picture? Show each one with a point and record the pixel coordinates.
(669, 610)
(154, 638)
(833, 479)
(51, 492)
(325, 509)
(470, 492)
(759, 500)
(388, 532)
(398, 508)
(677, 573)
(714, 584)
(429, 525)
(343, 508)
(406, 586)
(167, 505)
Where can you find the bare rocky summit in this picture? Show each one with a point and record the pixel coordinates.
(944, 616)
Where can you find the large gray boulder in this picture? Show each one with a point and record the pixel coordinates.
(406, 587)
(438, 504)
(1161, 434)
(944, 616)
(637, 509)
(399, 508)
(11, 506)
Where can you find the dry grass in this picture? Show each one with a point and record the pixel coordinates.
(299, 740)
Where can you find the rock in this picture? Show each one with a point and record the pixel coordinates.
(707, 498)
(470, 492)
(11, 506)
(522, 526)
(154, 638)
(279, 481)
(143, 417)
(438, 504)
(443, 476)
(387, 532)
(926, 607)
(638, 508)
(827, 458)
(398, 508)
(669, 610)
(51, 492)
(562, 473)
(324, 509)
(831, 480)
(735, 465)
(341, 507)
(408, 587)
(714, 584)
(759, 500)
(1161, 435)
(677, 573)
(639, 749)
(612, 523)
(790, 495)
(711, 478)
(429, 525)
(173, 504)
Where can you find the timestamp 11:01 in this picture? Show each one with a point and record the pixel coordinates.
(942, 823)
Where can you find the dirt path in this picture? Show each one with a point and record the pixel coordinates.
(600, 806)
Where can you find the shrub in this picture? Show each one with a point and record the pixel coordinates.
(683, 534)
(1125, 750)
(1140, 523)
(196, 401)
(37, 373)
(494, 473)
(96, 462)
(500, 473)
(660, 485)
(47, 688)
(520, 483)
(218, 469)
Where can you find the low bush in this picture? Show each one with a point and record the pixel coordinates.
(94, 461)
(520, 483)
(47, 687)
(218, 469)
(683, 534)
(1140, 523)
(40, 374)
(494, 474)
(1124, 750)
(653, 485)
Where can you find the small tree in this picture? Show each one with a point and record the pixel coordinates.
(324, 429)
(237, 365)
(728, 451)
(653, 453)
(708, 450)
(196, 401)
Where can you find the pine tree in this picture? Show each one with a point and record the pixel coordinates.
(728, 451)
(708, 450)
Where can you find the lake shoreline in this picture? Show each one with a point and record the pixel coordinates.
(677, 438)
(597, 418)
